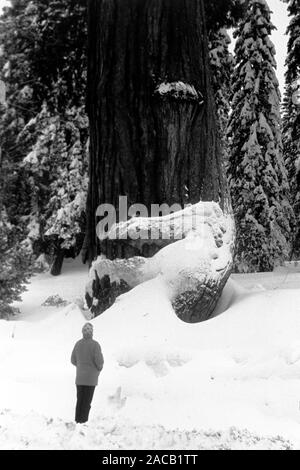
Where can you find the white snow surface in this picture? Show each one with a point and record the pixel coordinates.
(230, 383)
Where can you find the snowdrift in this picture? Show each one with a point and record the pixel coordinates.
(232, 382)
(192, 254)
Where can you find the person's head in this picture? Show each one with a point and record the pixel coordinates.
(87, 331)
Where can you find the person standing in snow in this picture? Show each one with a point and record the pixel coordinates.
(88, 360)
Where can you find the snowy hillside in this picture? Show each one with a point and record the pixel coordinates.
(232, 382)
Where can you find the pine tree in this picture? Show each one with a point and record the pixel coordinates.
(15, 257)
(222, 65)
(43, 64)
(291, 115)
(17, 39)
(15, 262)
(257, 176)
(56, 171)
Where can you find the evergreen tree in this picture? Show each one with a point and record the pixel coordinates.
(257, 176)
(222, 65)
(130, 151)
(291, 115)
(56, 173)
(15, 258)
(43, 63)
(17, 39)
(15, 261)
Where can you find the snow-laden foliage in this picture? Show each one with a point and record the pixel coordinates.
(18, 31)
(291, 114)
(56, 171)
(43, 128)
(14, 262)
(257, 176)
(221, 64)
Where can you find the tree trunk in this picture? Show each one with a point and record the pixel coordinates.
(151, 146)
(153, 128)
(58, 262)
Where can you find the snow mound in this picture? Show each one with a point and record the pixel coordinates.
(231, 380)
(54, 301)
(36, 432)
(193, 269)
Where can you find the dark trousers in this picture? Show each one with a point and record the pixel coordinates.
(84, 399)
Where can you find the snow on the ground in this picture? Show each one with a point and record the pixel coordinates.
(109, 434)
(231, 382)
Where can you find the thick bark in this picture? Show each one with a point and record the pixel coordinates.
(153, 132)
(152, 147)
(58, 262)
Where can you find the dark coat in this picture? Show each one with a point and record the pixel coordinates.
(88, 359)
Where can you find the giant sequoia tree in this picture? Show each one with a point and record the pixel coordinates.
(153, 131)
(150, 145)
